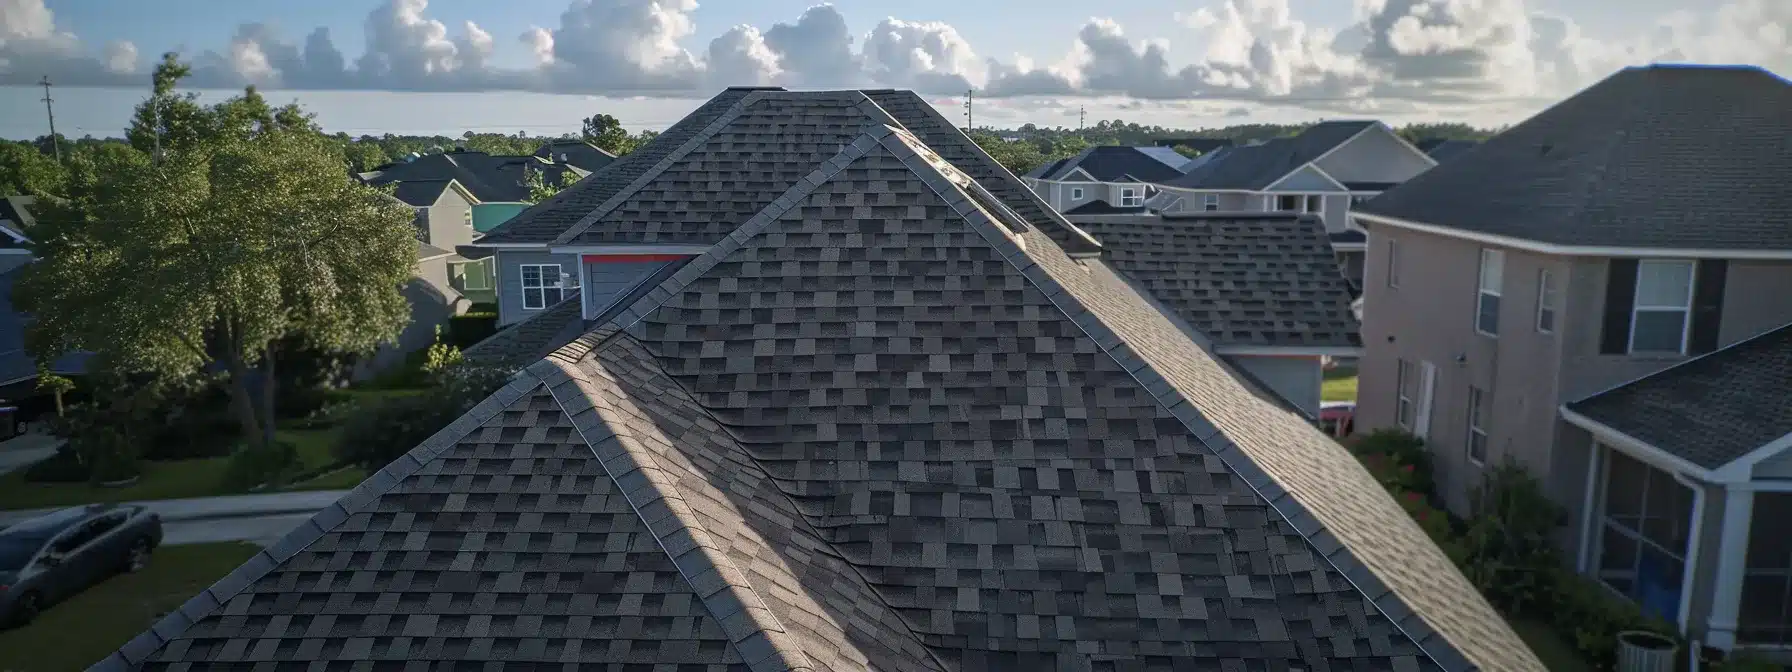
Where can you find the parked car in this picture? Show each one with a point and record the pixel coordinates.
(47, 559)
(1338, 418)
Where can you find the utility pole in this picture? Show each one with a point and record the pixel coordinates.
(969, 97)
(55, 143)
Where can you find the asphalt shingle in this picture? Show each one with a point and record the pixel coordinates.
(1710, 410)
(1256, 167)
(1242, 279)
(1120, 164)
(1657, 156)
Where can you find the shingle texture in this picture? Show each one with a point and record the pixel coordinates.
(1256, 167)
(888, 424)
(490, 178)
(1259, 280)
(532, 338)
(1659, 156)
(1118, 164)
(1711, 410)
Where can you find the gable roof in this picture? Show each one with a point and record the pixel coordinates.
(1650, 157)
(1202, 145)
(1242, 279)
(16, 221)
(885, 423)
(1710, 410)
(1101, 207)
(1256, 167)
(488, 178)
(1118, 164)
(1441, 150)
(421, 193)
(573, 151)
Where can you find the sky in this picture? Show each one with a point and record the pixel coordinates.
(538, 66)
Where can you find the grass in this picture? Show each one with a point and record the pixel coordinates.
(1557, 653)
(1339, 385)
(87, 627)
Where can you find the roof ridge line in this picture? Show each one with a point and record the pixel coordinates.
(725, 591)
(134, 652)
(752, 227)
(722, 121)
(1277, 497)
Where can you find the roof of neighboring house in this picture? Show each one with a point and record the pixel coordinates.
(533, 337)
(1657, 157)
(586, 213)
(1117, 164)
(1202, 145)
(1100, 207)
(1710, 410)
(427, 251)
(584, 155)
(1256, 167)
(489, 178)
(1256, 279)
(1441, 150)
(884, 423)
(16, 220)
(421, 193)
(15, 363)
(1348, 236)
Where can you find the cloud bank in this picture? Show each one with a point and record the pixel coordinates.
(1396, 54)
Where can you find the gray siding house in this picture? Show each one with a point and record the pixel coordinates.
(1534, 297)
(1117, 177)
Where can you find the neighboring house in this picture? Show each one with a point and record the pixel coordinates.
(1443, 150)
(1640, 222)
(18, 369)
(575, 152)
(489, 178)
(1260, 290)
(15, 221)
(1116, 176)
(434, 291)
(892, 416)
(445, 211)
(1203, 146)
(1324, 171)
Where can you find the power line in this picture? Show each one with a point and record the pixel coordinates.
(51, 112)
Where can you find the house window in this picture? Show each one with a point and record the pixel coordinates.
(1129, 197)
(1288, 203)
(477, 275)
(1487, 296)
(544, 285)
(1394, 264)
(1477, 425)
(1547, 296)
(1210, 202)
(1076, 193)
(1765, 617)
(1663, 306)
(1404, 383)
(1643, 534)
(1315, 204)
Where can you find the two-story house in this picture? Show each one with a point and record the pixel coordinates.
(444, 221)
(1100, 178)
(1520, 297)
(1324, 171)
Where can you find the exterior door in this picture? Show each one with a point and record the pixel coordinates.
(1427, 395)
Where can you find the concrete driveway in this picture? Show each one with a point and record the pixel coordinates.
(23, 451)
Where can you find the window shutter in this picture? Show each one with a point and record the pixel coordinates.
(1620, 299)
(1707, 306)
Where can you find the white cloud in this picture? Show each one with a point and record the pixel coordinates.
(1396, 55)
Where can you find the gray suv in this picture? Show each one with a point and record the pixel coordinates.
(46, 559)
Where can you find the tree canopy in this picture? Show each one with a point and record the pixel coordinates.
(241, 232)
(606, 133)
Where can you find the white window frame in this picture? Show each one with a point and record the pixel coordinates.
(1548, 295)
(1637, 306)
(1130, 197)
(1496, 259)
(1477, 427)
(1210, 202)
(485, 274)
(1393, 264)
(558, 284)
(1403, 404)
(1076, 193)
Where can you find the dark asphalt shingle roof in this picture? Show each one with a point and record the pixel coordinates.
(1255, 167)
(1099, 207)
(487, 177)
(1240, 279)
(884, 424)
(1202, 145)
(1657, 156)
(421, 193)
(584, 155)
(531, 338)
(1444, 150)
(1118, 164)
(1710, 410)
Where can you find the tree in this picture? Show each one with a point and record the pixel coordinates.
(55, 385)
(605, 132)
(25, 170)
(1018, 156)
(1187, 151)
(540, 190)
(243, 233)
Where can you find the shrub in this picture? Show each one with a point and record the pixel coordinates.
(1592, 617)
(1397, 458)
(467, 329)
(483, 307)
(1510, 545)
(63, 467)
(251, 466)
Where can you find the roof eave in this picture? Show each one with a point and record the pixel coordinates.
(1563, 250)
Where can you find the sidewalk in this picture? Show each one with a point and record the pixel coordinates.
(211, 508)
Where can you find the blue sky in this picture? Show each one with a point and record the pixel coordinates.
(1184, 63)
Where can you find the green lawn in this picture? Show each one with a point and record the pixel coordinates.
(1557, 652)
(1339, 385)
(87, 627)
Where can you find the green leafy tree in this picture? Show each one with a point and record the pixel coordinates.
(362, 155)
(540, 189)
(1018, 156)
(25, 170)
(55, 385)
(243, 233)
(605, 132)
(1189, 152)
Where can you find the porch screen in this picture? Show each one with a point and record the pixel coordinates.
(1643, 536)
(1767, 574)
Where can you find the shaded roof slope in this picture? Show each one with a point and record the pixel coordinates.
(487, 177)
(1255, 167)
(586, 156)
(1444, 150)
(886, 425)
(1710, 410)
(1242, 279)
(421, 193)
(1658, 156)
(1119, 164)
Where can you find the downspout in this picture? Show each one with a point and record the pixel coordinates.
(1588, 502)
(1692, 548)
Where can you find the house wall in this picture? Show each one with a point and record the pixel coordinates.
(605, 281)
(1430, 318)
(1306, 180)
(432, 301)
(447, 220)
(1375, 156)
(510, 292)
(1194, 201)
(1297, 379)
